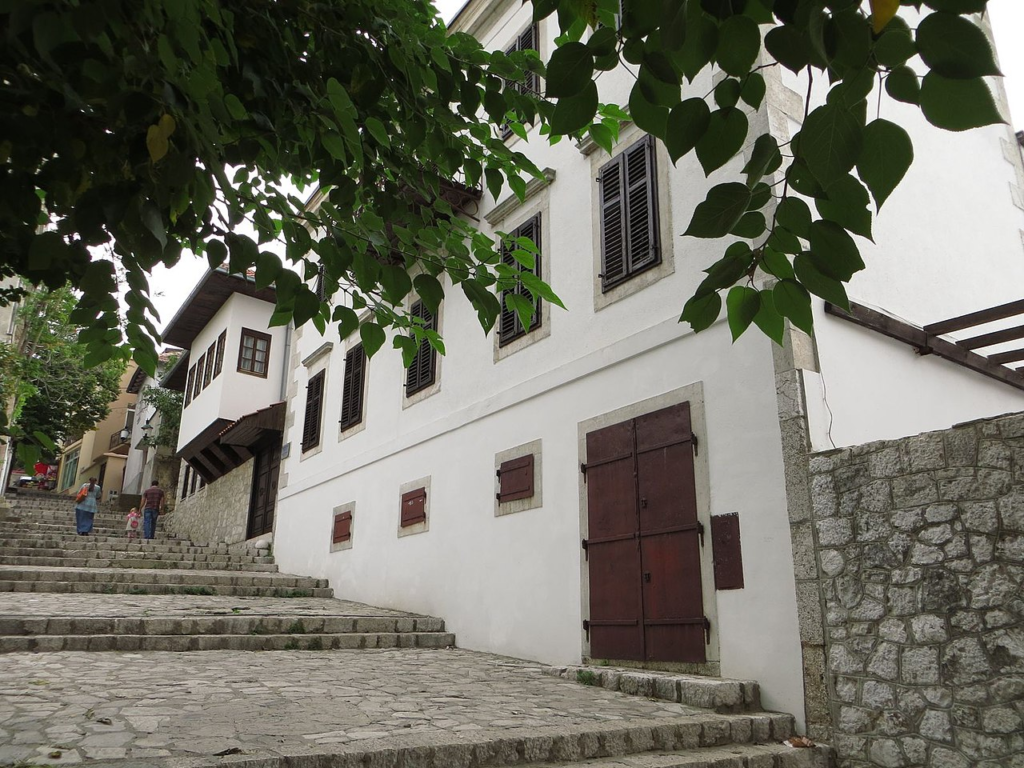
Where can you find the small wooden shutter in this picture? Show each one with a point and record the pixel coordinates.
(352, 387)
(728, 558)
(311, 421)
(629, 214)
(515, 479)
(342, 528)
(221, 342)
(421, 371)
(509, 326)
(414, 507)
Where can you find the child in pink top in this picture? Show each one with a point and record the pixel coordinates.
(133, 523)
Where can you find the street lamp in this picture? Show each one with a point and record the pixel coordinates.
(147, 430)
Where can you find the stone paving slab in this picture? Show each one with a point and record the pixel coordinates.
(414, 706)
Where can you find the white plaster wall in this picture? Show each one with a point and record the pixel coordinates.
(947, 242)
(234, 394)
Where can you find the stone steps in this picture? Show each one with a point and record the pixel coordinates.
(120, 543)
(109, 588)
(127, 549)
(140, 561)
(155, 577)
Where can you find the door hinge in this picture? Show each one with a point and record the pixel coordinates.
(586, 628)
(696, 443)
(700, 532)
(586, 548)
(707, 631)
(583, 469)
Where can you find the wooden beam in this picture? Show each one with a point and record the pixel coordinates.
(926, 343)
(976, 318)
(1008, 357)
(996, 337)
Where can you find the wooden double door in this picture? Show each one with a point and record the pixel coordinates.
(644, 540)
(263, 499)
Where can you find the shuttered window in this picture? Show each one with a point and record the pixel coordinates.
(515, 479)
(527, 41)
(219, 364)
(422, 371)
(189, 383)
(197, 385)
(352, 387)
(211, 354)
(414, 507)
(314, 406)
(342, 528)
(509, 325)
(629, 215)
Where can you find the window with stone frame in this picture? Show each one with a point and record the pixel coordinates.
(422, 372)
(510, 327)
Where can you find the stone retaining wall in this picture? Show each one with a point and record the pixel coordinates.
(919, 546)
(218, 512)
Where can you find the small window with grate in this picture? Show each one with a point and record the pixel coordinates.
(526, 41)
(352, 387)
(218, 366)
(197, 385)
(423, 370)
(254, 353)
(629, 215)
(510, 327)
(314, 408)
(189, 383)
(211, 355)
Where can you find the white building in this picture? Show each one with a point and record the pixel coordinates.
(233, 379)
(147, 458)
(389, 483)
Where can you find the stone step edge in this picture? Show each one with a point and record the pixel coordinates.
(537, 746)
(312, 641)
(207, 577)
(288, 624)
(715, 693)
(139, 563)
(220, 590)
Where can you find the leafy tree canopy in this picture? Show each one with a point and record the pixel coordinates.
(151, 126)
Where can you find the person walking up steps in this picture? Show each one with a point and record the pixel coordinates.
(152, 506)
(85, 506)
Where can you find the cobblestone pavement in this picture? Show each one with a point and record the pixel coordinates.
(61, 708)
(46, 605)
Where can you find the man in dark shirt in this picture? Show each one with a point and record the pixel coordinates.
(152, 506)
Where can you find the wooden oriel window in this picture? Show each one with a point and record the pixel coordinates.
(509, 325)
(414, 507)
(352, 387)
(218, 365)
(197, 385)
(254, 353)
(629, 214)
(342, 528)
(422, 371)
(189, 383)
(526, 41)
(515, 479)
(210, 355)
(314, 408)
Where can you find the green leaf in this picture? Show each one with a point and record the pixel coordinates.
(776, 264)
(409, 348)
(347, 320)
(902, 84)
(727, 130)
(794, 302)
(788, 46)
(701, 311)
(45, 441)
(378, 131)
(495, 181)
(602, 136)
(235, 107)
(830, 142)
(649, 117)
(834, 251)
(372, 336)
(847, 205)
(687, 123)
(47, 249)
(574, 112)
(216, 253)
(739, 41)
(429, 289)
(819, 284)
(885, 158)
(720, 212)
(794, 215)
(954, 47)
(957, 6)
(765, 159)
(539, 289)
(268, 268)
(306, 304)
(699, 47)
(484, 302)
(769, 320)
(895, 46)
(751, 225)
(727, 93)
(570, 69)
(760, 194)
(753, 90)
(957, 105)
(742, 305)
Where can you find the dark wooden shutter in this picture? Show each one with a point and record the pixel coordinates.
(342, 528)
(728, 558)
(629, 214)
(221, 342)
(509, 326)
(515, 479)
(198, 384)
(189, 382)
(311, 421)
(641, 206)
(414, 507)
(352, 387)
(422, 369)
(527, 41)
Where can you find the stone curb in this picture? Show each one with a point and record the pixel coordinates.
(717, 694)
(65, 587)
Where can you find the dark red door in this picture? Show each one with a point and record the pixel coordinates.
(643, 546)
(266, 467)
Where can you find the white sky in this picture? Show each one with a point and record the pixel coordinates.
(171, 287)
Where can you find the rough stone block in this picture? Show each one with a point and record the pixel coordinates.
(968, 486)
(834, 532)
(887, 462)
(887, 753)
(925, 452)
(877, 695)
(928, 628)
(948, 758)
(994, 454)
(964, 662)
(666, 688)
(912, 490)
(1011, 510)
(920, 666)
(884, 662)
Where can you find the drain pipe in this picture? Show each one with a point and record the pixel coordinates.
(287, 355)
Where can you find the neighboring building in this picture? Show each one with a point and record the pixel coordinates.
(101, 452)
(147, 459)
(232, 376)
